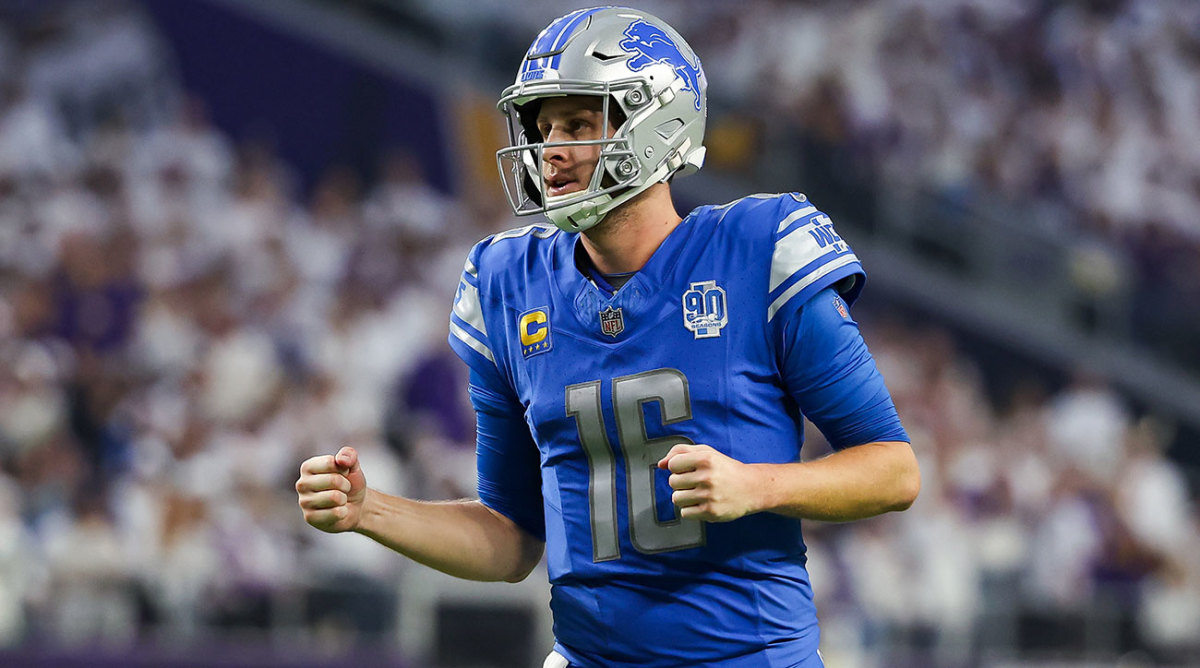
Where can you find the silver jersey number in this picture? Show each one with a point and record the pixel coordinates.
(668, 388)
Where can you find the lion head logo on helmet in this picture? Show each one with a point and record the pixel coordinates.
(650, 44)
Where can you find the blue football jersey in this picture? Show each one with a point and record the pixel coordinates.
(699, 346)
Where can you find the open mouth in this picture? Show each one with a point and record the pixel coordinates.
(561, 185)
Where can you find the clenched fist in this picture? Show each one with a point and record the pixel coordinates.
(332, 489)
(710, 486)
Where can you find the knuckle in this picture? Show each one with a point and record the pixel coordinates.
(310, 464)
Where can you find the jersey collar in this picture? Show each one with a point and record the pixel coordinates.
(636, 297)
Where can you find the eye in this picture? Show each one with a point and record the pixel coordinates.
(544, 130)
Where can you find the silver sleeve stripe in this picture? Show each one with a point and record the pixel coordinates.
(470, 269)
(793, 253)
(824, 270)
(794, 216)
(538, 230)
(467, 307)
(475, 344)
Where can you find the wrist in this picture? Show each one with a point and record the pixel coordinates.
(763, 483)
(368, 512)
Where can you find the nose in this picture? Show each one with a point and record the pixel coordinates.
(555, 154)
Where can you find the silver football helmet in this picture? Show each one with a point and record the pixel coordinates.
(650, 81)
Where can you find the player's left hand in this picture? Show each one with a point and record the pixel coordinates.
(710, 486)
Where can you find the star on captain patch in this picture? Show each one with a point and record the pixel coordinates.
(612, 321)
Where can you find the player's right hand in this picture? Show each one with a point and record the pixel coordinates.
(332, 489)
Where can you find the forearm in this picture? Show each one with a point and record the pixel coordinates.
(851, 484)
(461, 538)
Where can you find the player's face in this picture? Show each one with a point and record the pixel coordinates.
(571, 118)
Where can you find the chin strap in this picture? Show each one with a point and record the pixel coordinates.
(579, 216)
(585, 214)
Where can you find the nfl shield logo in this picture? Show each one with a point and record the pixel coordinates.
(612, 322)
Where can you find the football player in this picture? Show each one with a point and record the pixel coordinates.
(640, 378)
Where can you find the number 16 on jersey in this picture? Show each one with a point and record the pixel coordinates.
(668, 388)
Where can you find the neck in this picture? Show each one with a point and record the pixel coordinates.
(630, 233)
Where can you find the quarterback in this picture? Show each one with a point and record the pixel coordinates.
(641, 378)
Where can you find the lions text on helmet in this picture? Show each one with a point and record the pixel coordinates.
(650, 93)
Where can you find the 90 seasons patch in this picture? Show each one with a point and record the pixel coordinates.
(704, 309)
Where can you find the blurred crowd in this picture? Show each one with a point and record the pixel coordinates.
(181, 324)
(1049, 520)
(179, 327)
(1078, 119)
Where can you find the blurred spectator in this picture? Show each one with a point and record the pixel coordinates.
(1087, 425)
(1169, 616)
(33, 137)
(90, 600)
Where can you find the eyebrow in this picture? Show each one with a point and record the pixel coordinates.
(569, 115)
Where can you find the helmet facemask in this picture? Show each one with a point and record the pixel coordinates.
(616, 172)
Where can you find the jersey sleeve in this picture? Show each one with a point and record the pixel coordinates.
(808, 255)
(831, 375)
(510, 478)
(468, 329)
